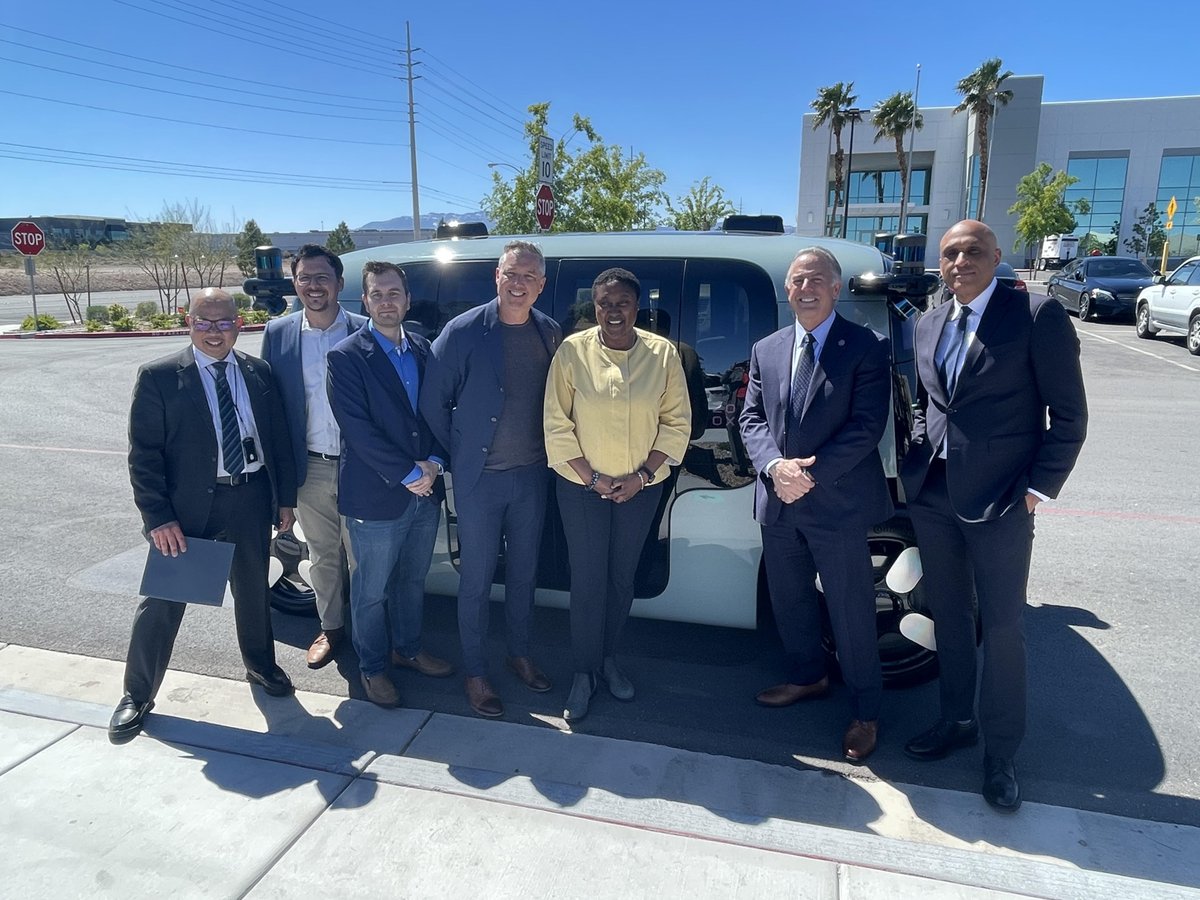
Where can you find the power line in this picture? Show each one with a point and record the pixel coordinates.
(507, 130)
(520, 114)
(125, 112)
(354, 44)
(454, 91)
(489, 150)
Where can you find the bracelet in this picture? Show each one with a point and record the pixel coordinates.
(642, 478)
(643, 470)
(595, 481)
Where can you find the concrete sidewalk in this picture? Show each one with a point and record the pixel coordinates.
(231, 793)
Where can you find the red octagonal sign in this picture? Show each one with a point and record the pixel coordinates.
(543, 207)
(28, 238)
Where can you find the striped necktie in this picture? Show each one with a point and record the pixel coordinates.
(956, 349)
(805, 366)
(231, 434)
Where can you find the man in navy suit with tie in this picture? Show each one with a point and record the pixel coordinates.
(389, 485)
(1001, 417)
(296, 347)
(816, 408)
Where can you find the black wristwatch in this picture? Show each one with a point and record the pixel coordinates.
(649, 475)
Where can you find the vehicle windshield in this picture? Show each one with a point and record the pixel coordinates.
(1118, 268)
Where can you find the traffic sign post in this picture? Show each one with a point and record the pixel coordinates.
(545, 160)
(543, 207)
(29, 240)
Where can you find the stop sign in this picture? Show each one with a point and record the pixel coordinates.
(28, 238)
(543, 207)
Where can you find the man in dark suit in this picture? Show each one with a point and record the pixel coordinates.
(208, 458)
(993, 367)
(296, 347)
(483, 396)
(389, 483)
(816, 408)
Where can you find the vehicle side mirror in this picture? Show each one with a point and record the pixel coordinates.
(1158, 277)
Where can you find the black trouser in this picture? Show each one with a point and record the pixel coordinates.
(241, 515)
(604, 544)
(995, 556)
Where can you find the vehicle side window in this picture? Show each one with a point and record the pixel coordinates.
(1195, 278)
(1184, 273)
(660, 279)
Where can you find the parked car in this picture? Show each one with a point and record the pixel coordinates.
(1005, 274)
(1172, 306)
(1100, 285)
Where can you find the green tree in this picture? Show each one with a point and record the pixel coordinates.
(1040, 208)
(701, 208)
(1148, 234)
(981, 95)
(159, 249)
(250, 238)
(596, 188)
(833, 105)
(339, 239)
(894, 118)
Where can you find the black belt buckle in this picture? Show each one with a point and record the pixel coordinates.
(235, 480)
(329, 457)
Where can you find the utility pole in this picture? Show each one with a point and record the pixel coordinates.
(412, 136)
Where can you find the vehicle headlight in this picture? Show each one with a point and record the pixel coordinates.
(1101, 294)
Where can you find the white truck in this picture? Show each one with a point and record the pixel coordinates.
(1057, 250)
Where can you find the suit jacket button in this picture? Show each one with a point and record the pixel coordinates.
(414, 434)
(484, 449)
(493, 418)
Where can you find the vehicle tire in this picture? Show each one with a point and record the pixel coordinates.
(1085, 307)
(1141, 322)
(1193, 335)
(290, 594)
(904, 663)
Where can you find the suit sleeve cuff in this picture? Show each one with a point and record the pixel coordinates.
(412, 476)
(770, 467)
(1038, 494)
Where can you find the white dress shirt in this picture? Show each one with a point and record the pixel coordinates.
(241, 400)
(323, 435)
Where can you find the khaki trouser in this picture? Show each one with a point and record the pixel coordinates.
(328, 543)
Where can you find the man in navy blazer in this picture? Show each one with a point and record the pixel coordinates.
(1001, 417)
(389, 483)
(296, 346)
(816, 408)
(483, 398)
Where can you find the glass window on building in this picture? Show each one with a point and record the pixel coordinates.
(1101, 185)
(862, 228)
(1179, 177)
(884, 186)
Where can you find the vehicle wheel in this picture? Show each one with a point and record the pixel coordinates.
(1141, 322)
(904, 663)
(1193, 336)
(290, 594)
(1085, 307)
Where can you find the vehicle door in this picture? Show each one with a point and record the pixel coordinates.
(1176, 296)
(1068, 285)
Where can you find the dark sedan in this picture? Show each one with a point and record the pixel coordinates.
(1100, 285)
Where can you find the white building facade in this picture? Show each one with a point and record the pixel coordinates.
(1125, 153)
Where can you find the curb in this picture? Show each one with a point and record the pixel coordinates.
(59, 335)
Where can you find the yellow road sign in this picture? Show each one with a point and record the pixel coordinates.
(1171, 207)
(1169, 225)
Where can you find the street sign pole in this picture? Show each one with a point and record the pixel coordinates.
(29, 240)
(31, 270)
(545, 173)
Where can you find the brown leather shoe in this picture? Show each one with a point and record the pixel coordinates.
(381, 691)
(535, 679)
(323, 647)
(425, 663)
(483, 699)
(859, 742)
(787, 694)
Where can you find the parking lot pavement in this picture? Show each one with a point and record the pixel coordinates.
(231, 793)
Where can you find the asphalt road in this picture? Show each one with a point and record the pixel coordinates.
(1112, 623)
(13, 310)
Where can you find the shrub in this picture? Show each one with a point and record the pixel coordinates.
(146, 309)
(45, 322)
(117, 311)
(161, 321)
(243, 301)
(97, 314)
(124, 323)
(256, 316)
(94, 324)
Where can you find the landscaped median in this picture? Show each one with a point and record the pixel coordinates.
(146, 320)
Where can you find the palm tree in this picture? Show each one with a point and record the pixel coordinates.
(893, 118)
(981, 94)
(833, 105)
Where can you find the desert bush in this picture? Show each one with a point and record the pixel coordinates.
(97, 314)
(45, 322)
(146, 309)
(117, 311)
(94, 324)
(124, 323)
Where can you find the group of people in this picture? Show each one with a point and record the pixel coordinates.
(349, 422)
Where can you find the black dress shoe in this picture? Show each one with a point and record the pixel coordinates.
(941, 739)
(1000, 788)
(127, 719)
(276, 682)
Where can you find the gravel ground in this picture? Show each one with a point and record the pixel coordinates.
(111, 277)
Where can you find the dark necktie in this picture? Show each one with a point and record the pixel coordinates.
(800, 384)
(231, 434)
(956, 349)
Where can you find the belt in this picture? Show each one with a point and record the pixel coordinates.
(235, 480)
(316, 455)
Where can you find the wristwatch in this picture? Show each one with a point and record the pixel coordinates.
(441, 469)
(649, 475)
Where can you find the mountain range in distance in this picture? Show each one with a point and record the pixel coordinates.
(428, 221)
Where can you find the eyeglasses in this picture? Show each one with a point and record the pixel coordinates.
(318, 280)
(210, 324)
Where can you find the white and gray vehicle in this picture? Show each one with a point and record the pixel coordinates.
(1171, 306)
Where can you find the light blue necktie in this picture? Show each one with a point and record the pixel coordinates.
(956, 350)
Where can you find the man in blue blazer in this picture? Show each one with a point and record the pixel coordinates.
(483, 397)
(389, 483)
(993, 367)
(295, 346)
(816, 408)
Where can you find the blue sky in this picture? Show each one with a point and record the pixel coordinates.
(313, 119)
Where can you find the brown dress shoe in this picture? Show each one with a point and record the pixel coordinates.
(483, 699)
(323, 647)
(381, 691)
(425, 663)
(787, 694)
(535, 679)
(859, 742)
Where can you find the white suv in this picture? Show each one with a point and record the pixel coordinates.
(1172, 306)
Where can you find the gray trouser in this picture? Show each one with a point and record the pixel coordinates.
(328, 544)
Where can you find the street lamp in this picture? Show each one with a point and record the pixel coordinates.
(493, 165)
(854, 115)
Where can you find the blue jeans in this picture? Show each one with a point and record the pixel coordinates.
(392, 558)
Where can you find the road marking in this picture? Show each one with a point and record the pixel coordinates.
(64, 449)
(1119, 514)
(1138, 350)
